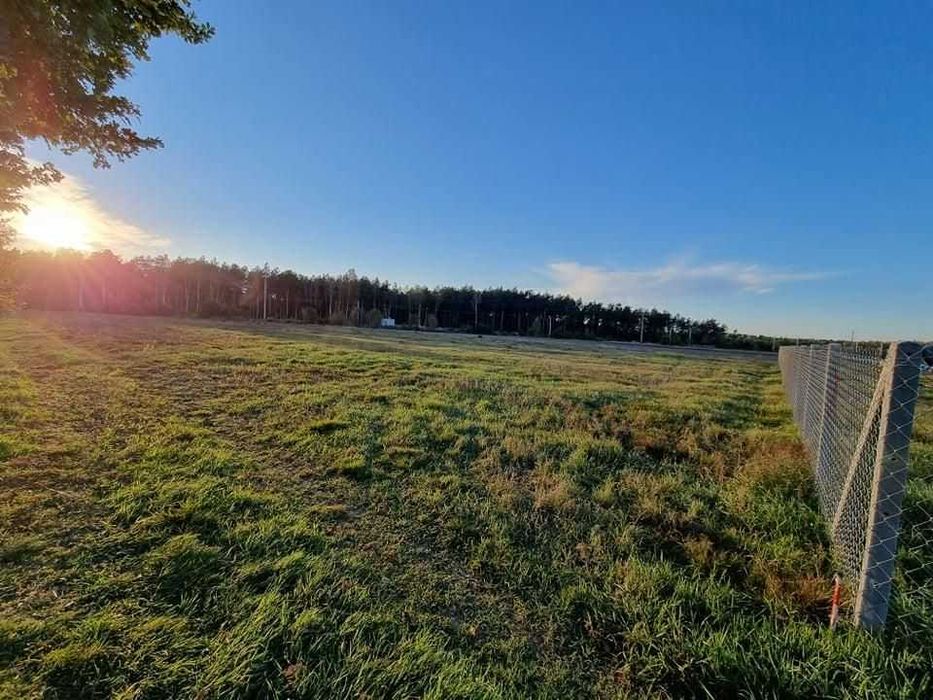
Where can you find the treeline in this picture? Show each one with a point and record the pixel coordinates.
(103, 282)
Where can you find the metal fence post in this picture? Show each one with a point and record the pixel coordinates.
(888, 484)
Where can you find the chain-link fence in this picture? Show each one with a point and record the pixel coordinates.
(913, 582)
(866, 418)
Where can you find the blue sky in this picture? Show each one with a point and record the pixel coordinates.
(771, 166)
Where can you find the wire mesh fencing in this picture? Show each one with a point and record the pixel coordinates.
(865, 415)
(913, 585)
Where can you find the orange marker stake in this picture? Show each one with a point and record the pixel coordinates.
(834, 610)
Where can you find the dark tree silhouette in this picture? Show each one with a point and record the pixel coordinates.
(102, 282)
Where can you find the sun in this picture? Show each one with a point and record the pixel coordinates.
(56, 225)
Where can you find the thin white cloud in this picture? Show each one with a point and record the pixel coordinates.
(674, 280)
(66, 214)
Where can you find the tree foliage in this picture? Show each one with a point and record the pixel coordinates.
(103, 282)
(6, 257)
(60, 62)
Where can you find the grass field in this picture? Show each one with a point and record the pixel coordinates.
(221, 510)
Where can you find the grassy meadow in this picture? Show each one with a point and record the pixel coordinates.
(218, 510)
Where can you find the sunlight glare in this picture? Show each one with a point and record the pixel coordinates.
(56, 225)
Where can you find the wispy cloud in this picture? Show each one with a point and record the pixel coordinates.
(68, 215)
(673, 280)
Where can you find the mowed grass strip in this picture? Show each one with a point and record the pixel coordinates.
(219, 510)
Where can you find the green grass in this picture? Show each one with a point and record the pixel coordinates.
(226, 510)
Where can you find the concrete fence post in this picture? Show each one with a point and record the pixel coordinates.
(901, 387)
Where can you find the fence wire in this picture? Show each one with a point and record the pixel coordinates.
(865, 415)
(913, 585)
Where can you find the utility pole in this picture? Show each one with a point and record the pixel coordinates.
(690, 334)
(641, 335)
